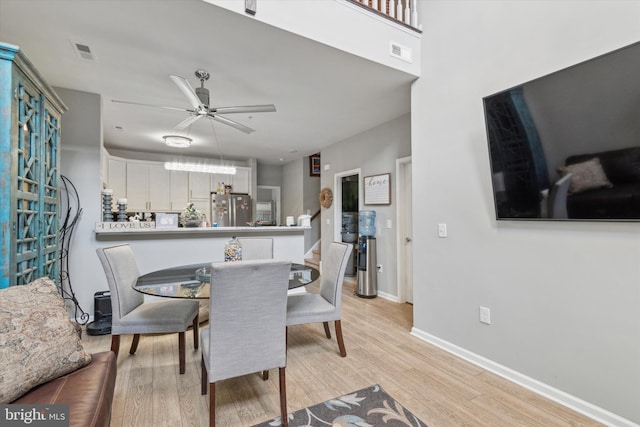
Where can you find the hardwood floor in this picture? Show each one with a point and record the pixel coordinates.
(441, 389)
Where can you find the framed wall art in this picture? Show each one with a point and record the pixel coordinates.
(377, 189)
(314, 164)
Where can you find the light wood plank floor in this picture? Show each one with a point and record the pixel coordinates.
(442, 390)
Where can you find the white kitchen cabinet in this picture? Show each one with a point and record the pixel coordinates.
(241, 181)
(199, 185)
(179, 190)
(159, 181)
(117, 177)
(147, 186)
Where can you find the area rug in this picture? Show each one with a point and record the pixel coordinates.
(369, 407)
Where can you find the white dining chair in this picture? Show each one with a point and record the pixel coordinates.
(325, 306)
(262, 248)
(132, 315)
(247, 327)
(256, 248)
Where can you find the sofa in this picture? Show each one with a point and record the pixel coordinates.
(604, 185)
(44, 362)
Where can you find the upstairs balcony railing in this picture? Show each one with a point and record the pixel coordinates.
(404, 12)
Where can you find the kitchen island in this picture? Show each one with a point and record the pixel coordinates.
(157, 248)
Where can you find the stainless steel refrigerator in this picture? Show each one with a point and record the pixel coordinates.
(230, 210)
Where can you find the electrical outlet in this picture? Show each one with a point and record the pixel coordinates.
(379, 268)
(485, 315)
(442, 230)
(389, 223)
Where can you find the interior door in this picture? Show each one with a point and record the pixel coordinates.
(408, 234)
(404, 236)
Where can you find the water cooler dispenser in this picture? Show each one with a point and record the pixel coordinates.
(367, 262)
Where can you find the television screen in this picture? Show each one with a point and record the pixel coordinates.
(566, 146)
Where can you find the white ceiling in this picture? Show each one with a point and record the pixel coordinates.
(322, 95)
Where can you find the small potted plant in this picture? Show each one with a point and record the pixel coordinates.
(191, 217)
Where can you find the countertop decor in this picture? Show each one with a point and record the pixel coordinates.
(191, 217)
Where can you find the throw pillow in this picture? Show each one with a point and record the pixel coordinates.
(585, 176)
(38, 341)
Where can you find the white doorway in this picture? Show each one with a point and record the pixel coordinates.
(404, 215)
(268, 194)
(337, 200)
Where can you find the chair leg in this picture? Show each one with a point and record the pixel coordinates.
(283, 398)
(212, 405)
(343, 351)
(115, 344)
(181, 351)
(204, 378)
(134, 343)
(326, 329)
(196, 334)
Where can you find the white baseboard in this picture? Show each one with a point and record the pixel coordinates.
(390, 297)
(592, 411)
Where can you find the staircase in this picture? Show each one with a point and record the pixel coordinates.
(315, 260)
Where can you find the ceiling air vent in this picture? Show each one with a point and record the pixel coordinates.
(83, 50)
(398, 51)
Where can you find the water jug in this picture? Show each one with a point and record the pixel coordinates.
(367, 223)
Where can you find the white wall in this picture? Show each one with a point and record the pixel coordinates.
(292, 190)
(309, 18)
(80, 162)
(564, 297)
(374, 152)
(269, 175)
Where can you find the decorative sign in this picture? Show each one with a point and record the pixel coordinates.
(128, 225)
(377, 189)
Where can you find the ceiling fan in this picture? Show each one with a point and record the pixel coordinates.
(199, 100)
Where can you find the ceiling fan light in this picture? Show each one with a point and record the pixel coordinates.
(177, 141)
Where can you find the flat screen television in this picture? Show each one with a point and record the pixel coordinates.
(566, 146)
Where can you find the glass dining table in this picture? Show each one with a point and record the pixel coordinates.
(193, 280)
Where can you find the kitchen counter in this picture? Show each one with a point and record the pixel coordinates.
(157, 248)
(189, 232)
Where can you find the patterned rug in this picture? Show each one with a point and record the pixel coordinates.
(369, 407)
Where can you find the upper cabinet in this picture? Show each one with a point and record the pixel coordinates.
(148, 187)
(117, 177)
(30, 114)
(179, 184)
(200, 185)
(241, 181)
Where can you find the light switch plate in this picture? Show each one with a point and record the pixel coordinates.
(442, 230)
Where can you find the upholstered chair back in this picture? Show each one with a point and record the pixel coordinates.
(121, 270)
(247, 323)
(334, 265)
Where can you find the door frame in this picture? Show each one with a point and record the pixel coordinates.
(402, 196)
(275, 192)
(337, 200)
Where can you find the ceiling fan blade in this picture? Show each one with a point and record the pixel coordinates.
(150, 105)
(268, 108)
(187, 122)
(188, 91)
(231, 123)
